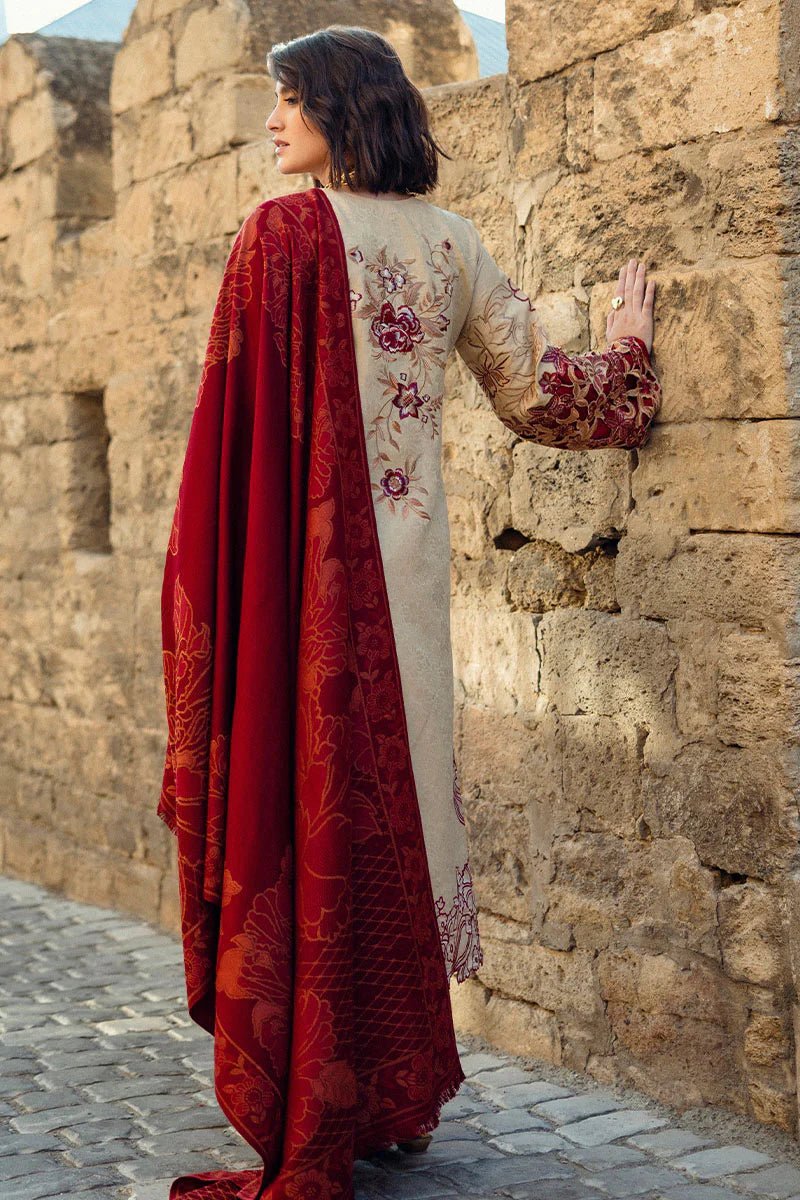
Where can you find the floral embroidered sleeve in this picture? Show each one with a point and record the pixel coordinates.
(571, 401)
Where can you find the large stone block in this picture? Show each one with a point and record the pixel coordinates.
(229, 113)
(152, 140)
(18, 71)
(607, 665)
(212, 42)
(32, 128)
(718, 475)
(515, 1026)
(752, 936)
(142, 70)
(202, 201)
(735, 805)
(675, 1025)
(27, 196)
(523, 970)
(571, 497)
(720, 197)
(495, 657)
(718, 72)
(543, 38)
(719, 340)
(498, 838)
(747, 579)
(611, 892)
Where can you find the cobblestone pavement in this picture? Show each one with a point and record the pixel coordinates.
(106, 1091)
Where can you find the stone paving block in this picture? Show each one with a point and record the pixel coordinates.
(779, 1182)
(85, 1133)
(145, 1170)
(636, 1180)
(43, 1099)
(471, 1063)
(22, 1166)
(166, 1121)
(703, 1191)
(32, 1143)
(501, 1077)
(508, 1120)
(600, 1158)
(574, 1108)
(502, 1172)
(605, 1128)
(721, 1160)
(668, 1143)
(462, 1105)
(61, 1183)
(524, 1095)
(109, 1152)
(559, 1189)
(528, 1141)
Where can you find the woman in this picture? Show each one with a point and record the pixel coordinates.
(326, 896)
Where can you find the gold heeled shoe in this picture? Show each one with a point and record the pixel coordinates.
(416, 1145)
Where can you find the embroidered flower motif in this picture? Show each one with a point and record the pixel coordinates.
(396, 488)
(408, 400)
(392, 280)
(414, 323)
(396, 330)
(355, 297)
(458, 928)
(395, 483)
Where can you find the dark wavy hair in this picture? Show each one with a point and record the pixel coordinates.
(352, 85)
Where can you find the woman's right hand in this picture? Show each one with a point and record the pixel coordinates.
(635, 317)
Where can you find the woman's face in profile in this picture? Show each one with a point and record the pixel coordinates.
(300, 146)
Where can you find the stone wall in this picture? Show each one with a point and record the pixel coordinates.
(625, 624)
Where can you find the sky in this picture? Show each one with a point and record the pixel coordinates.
(25, 15)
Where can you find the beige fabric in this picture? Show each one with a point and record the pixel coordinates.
(413, 269)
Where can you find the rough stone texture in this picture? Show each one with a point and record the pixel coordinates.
(626, 625)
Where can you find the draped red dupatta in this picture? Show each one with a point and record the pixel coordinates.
(310, 939)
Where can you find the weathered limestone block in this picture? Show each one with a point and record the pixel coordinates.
(735, 805)
(611, 892)
(538, 127)
(767, 1039)
(717, 72)
(18, 71)
(142, 70)
(212, 42)
(720, 353)
(543, 38)
(569, 497)
(27, 196)
(734, 685)
(498, 837)
(32, 128)
(607, 665)
(507, 760)
(232, 112)
(751, 935)
(144, 486)
(715, 198)
(601, 766)
(469, 183)
(719, 475)
(675, 1025)
(152, 140)
(747, 579)
(515, 1026)
(542, 576)
(580, 113)
(523, 970)
(138, 209)
(774, 1107)
(201, 201)
(494, 656)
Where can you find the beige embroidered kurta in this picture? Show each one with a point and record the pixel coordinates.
(421, 285)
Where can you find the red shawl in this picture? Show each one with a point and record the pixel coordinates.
(310, 939)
